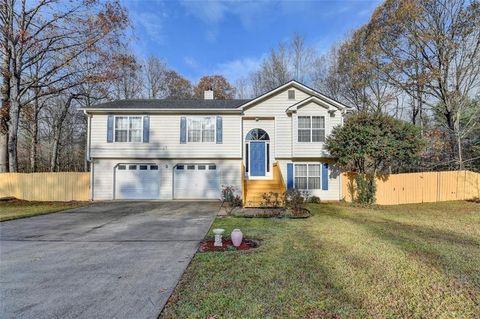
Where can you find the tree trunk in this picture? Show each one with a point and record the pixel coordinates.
(14, 114)
(34, 145)
(14, 72)
(3, 153)
(58, 133)
(458, 134)
(5, 91)
(460, 153)
(34, 130)
(56, 144)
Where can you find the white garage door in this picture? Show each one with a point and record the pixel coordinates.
(137, 181)
(196, 181)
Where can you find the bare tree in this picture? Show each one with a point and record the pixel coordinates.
(274, 71)
(60, 110)
(432, 50)
(155, 72)
(128, 82)
(302, 59)
(177, 86)
(326, 76)
(243, 90)
(353, 79)
(55, 33)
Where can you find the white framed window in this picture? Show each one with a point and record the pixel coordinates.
(201, 129)
(128, 129)
(307, 176)
(311, 129)
(304, 128)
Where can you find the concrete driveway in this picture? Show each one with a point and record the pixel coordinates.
(108, 260)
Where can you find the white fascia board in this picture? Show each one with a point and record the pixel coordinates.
(312, 99)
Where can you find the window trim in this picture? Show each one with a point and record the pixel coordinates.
(201, 129)
(312, 129)
(128, 128)
(308, 174)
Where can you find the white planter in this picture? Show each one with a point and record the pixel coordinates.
(237, 237)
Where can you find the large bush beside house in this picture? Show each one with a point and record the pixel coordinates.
(373, 143)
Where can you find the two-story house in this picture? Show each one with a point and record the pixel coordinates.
(189, 149)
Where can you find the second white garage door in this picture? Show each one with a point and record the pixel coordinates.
(196, 181)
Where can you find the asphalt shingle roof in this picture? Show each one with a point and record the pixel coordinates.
(170, 104)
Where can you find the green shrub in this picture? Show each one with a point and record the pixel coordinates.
(371, 143)
(314, 200)
(295, 200)
(366, 189)
(231, 198)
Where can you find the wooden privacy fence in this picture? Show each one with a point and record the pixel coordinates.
(423, 187)
(66, 186)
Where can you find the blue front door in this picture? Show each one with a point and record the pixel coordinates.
(257, 158)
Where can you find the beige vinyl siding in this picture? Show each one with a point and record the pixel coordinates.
(103, 174)
(165, 140)
(313, 149)
(334, 179)
(276, 106)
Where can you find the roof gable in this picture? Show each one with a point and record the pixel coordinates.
(299, 86)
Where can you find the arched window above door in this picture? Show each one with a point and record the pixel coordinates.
(257, 134)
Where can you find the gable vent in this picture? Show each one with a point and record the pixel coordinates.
(291, 94)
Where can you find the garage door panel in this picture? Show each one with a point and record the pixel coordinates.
(199, 181)
(137, 181)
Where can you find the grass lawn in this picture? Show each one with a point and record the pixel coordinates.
(20, 209)
(407, 261)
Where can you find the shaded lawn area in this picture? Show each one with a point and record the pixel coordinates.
(409, 261)
(20, 209)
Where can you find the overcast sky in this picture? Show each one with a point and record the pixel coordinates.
(231, 37)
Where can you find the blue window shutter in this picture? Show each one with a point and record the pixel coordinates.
(146, 129)
(110, 128)
(289, 175)
(219, 130)
(325, 176)
(183, 130)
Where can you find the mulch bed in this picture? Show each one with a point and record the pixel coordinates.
(305, 213)
(207, 245)
(271, 213)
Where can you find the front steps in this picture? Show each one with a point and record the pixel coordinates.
(254, 189)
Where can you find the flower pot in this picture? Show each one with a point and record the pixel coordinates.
(237, 237)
